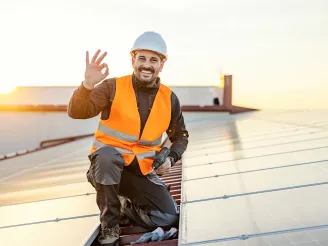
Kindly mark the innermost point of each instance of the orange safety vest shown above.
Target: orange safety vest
(122, 129)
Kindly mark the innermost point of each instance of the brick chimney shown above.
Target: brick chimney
(227, 91)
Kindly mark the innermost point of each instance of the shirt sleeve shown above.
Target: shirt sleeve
(177, 132)
(86, 103)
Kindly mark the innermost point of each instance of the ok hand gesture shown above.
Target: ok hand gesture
(93, 71)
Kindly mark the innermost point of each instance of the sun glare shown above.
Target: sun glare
(6, 89)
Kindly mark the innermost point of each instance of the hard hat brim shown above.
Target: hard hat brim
(135, 51)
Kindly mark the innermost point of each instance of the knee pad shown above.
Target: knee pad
(106, 166)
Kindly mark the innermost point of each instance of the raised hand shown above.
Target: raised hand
(93, 71)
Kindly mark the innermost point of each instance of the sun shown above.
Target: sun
(6, 89)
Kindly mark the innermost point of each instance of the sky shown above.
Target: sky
(276, 50)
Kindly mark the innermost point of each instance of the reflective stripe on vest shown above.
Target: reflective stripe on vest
(141, 156)
(126, 137)
(149, 154)
(122, 129)
(158, 141)
(99, 144)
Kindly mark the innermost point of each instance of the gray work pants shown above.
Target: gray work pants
(152, 204)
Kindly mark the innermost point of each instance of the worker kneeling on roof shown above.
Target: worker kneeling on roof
(136, 110)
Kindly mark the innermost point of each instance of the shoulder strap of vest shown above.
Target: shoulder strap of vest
(112, 92)
(112, 88)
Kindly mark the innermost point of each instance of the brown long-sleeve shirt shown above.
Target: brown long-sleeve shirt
(86, 104)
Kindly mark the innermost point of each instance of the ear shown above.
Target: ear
(162, 65)
(133, 60)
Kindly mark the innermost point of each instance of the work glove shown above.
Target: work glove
(172, 233)
(153, 236)
(165, 167)
(157, 235)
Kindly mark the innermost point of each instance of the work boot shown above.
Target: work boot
(109, 236)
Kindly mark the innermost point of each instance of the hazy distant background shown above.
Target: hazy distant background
(277, 50)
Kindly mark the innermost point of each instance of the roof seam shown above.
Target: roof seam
(50, 199)
(253, 157)
(247, 236)
(293, 124)
(258, 147)
(255, 192)
(257, 170)
(259, 140)
(227, 137)
(49, 221)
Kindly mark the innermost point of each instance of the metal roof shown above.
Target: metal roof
(44, 197)
(252, 179)
(259, 179)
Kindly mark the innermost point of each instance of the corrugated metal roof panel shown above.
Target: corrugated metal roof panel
(39, 212)
(256, 179)
(13, 196)
(275, 212)
(45, 194)
(317, 237)
(67, 232)
(45, 198)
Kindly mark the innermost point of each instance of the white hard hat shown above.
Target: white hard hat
(150, 41)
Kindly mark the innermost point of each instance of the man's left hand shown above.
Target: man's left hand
(165, 167)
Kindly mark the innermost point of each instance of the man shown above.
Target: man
(135, 111)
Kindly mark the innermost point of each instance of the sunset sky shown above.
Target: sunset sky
(276, 50)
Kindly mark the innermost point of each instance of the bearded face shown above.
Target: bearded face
(147, 65)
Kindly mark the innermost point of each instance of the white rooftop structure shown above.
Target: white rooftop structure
(60, 95)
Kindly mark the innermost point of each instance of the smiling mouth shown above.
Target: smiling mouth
(146, 72)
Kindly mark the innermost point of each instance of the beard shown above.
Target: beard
(145, 77)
